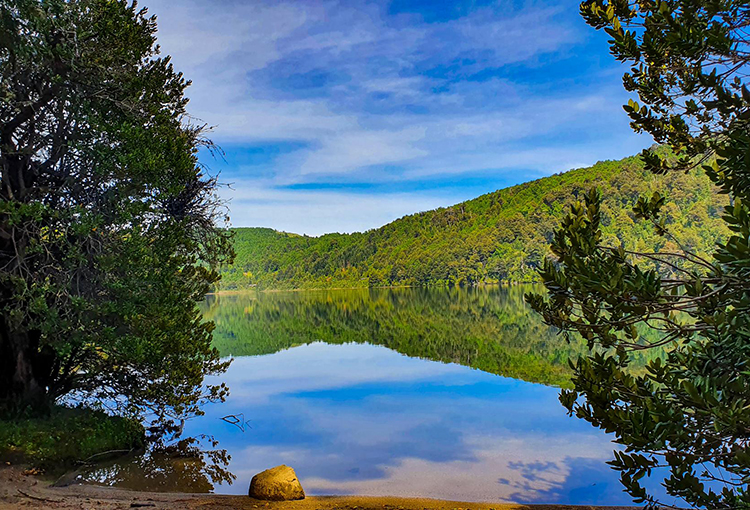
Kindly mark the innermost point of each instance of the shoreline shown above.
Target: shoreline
(28, 491)
(234, 292)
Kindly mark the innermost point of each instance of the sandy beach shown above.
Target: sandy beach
(21, 489)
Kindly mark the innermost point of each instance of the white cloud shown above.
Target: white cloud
(318, 212)
(320, 366)
(392, 92)
(477, 479)
(382, 414)
(203, 37)
(261, 121)
(347, 152)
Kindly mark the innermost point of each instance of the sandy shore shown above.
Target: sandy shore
(20, 490)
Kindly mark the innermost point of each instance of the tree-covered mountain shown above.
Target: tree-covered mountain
(497, 237)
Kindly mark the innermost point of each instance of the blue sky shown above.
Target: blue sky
(343, 116)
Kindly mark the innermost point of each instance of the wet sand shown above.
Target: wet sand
(19, 490)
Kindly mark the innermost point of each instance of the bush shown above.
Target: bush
(66, 437)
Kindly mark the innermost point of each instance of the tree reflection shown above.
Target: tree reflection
(182, 467)
(487, 328)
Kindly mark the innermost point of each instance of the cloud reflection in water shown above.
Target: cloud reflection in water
(363, 419)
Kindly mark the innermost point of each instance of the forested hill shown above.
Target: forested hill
(497, 237)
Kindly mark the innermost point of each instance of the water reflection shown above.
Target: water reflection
(363, 419)
(487, 328)
(333, 396)
(189, 465)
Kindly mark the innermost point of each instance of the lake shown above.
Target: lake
(442, 393)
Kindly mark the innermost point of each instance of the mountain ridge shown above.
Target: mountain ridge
(497, 237)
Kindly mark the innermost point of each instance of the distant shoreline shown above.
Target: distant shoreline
(230, 292)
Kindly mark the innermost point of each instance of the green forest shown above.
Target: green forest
(500, 237)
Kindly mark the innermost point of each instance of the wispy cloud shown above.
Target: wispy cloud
(361, 419)
(315, 212)
(376, 91)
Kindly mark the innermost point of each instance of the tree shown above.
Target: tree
(108, 225)
(687, 418)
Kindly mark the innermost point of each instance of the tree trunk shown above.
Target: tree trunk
(20, 366)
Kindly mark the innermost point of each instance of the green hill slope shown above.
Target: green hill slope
(497, 237)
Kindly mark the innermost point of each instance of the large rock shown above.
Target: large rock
(276, 484)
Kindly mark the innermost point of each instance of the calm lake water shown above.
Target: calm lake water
(442, 393)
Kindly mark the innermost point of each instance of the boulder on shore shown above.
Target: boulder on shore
(276, 484)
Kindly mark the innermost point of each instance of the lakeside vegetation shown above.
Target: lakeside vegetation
(685, 420)
(66, 437)
(498, 237)
(108, 223)
(108, 227)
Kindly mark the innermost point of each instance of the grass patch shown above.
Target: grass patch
(66, 437)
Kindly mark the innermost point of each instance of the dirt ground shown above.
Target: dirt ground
(21, 490)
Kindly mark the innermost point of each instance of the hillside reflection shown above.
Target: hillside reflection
(490, 329)
(487, 328)
(377, 392)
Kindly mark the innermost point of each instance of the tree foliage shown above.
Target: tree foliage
(688, 418)
(108, 231)
(499, 237)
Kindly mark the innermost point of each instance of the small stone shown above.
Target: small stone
(276, 484)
